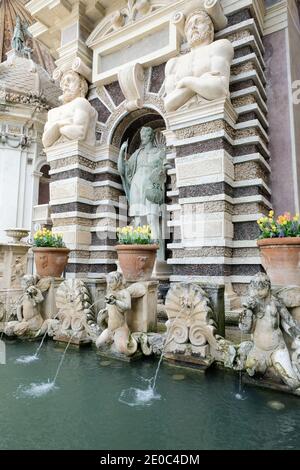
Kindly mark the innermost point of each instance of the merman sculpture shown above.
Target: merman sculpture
(267, 318)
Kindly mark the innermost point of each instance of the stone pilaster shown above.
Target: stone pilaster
(86, 208)
(202, 204)
(220, 179)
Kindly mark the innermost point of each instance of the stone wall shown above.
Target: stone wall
(220, 173)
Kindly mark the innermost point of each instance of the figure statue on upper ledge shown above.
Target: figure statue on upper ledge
(203, 73)
(267, 318)
(143, 177)
(76, 118)
(18, 40)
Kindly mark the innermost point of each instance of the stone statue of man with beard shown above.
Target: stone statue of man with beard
(202, 74)
(76, 118)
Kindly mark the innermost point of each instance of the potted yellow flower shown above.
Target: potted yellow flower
(279, 246)
(50, 253)
(136, 252)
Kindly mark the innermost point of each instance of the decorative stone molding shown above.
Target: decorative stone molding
(131, 80)
(276, 17)
(151, 39)
(134, 10)
(210, 111)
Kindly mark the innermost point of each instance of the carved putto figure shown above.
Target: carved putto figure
(113, 317)
(267, 318)
(202, 74)
(143, 176)
(30, 320)
(76, 118)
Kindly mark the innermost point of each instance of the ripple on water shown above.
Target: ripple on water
(276, 405)
(178, 377)
(35, 390)
(26, 359)
(138, 397)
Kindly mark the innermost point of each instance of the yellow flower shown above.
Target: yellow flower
(271, 214)
(296, 218)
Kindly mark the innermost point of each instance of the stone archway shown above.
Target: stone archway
(130, 125)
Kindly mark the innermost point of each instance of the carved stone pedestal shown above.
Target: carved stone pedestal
(49, 308)
(108, 354)
(13, 264)
(191, 362)
(143, 315)
(74, 341)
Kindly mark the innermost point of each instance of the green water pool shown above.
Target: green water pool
(190, 410)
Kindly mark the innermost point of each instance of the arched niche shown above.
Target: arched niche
(128, 128)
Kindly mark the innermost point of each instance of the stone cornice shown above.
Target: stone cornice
(276, 17)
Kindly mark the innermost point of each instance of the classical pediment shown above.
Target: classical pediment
(133, 12)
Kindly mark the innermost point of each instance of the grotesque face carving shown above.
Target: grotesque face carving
(199, 29)
(73, 86)
(147, 135)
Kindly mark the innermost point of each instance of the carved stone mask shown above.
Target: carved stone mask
(199, 29)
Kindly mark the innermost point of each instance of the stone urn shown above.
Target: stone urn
(17, 234)
(50, 262)
(281, 260)
(137, 261)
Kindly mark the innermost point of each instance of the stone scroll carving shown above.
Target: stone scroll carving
(131, 80)
(274, 350)
(202, 74)
(76, 118)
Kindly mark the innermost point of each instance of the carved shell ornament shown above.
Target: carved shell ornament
(188, 302)
(190, 317)
(75, 305)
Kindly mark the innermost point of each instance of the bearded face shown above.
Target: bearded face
(71, 86)
(199, 29)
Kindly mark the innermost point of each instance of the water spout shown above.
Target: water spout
(38, 390)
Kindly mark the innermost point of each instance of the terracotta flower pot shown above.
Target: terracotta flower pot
(50, 262)
(137, 261)
(281, 259)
